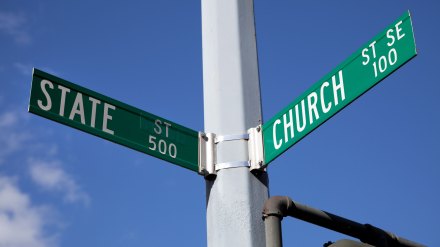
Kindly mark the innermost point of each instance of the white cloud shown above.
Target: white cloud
(45, 171)
(50, 176)
(10, 139)
(21, 223)
(13, 24)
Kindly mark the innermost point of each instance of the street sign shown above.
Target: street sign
(99, 115)
(384, 54)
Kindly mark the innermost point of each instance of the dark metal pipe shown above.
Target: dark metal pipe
(281, 206)
(273, 231)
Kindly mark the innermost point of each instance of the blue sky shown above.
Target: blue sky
(377, 161)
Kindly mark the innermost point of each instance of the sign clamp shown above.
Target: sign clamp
(231, 164)
(225, 138)
(207, 155)
(256, 148)
(208, 165)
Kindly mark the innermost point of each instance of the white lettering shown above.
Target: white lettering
(339, 87)
(107, 117)
(398, 29)
(382, 64)
(329, 105)
(372, 45)
(64, 90)
(364, 51)
(276, 144)
(375, 69)
(390, 37)
(93, 114)
(172, 150)
(78, 108)
(288, 125)
(298, 124)
(152, 141)
(392, 61)
(312, 106)
(158, 129)
(166, 128)
(162, 147)
(48, 105)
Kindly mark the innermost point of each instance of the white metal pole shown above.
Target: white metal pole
(232, 105)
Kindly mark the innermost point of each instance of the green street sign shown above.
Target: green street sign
(384, 54)
(99, 115)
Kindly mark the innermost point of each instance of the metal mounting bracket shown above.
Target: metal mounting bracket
(226, 138)
(208, 166)
(207, 154)
(232, 164)
(256, 148)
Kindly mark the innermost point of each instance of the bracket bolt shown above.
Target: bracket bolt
(204, 137)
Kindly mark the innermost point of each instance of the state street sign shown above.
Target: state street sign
(384, 54)
(94, 113)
